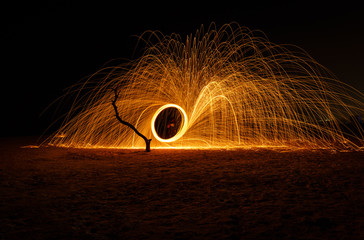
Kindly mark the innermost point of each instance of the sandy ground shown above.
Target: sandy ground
(55, 193)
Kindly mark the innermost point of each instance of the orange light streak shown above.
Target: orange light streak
(233, 87)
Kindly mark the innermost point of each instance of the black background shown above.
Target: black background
(50, 45)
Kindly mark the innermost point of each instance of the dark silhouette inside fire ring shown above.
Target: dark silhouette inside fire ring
(168, 123)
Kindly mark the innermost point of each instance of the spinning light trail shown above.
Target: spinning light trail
(228, 86)
(180, 131)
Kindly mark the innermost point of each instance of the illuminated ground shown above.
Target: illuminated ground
(55, 193)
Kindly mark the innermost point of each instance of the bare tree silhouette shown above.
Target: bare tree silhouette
(113, 102)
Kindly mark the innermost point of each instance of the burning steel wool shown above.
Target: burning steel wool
(222, 87)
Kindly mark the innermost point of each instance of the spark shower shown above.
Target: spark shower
(221, 87)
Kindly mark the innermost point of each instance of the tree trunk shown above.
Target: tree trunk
(147, 141)
(147, 145)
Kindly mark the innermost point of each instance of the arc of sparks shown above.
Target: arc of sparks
(233, 88)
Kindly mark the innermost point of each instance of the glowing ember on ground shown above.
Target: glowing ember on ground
(232, 87)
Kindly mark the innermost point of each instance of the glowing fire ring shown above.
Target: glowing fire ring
(181, 130)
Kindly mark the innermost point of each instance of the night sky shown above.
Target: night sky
(50, 45)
